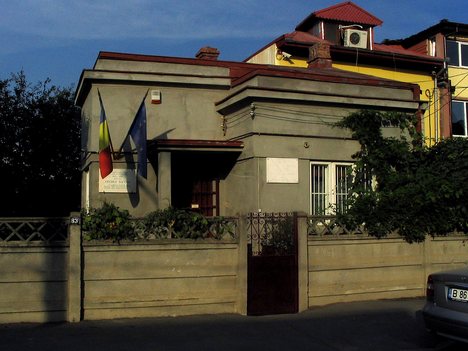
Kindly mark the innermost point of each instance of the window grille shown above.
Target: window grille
(319, 194)
(329, 187)
(343, 183)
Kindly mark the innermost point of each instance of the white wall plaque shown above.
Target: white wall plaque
(119, 181)
(282, 170)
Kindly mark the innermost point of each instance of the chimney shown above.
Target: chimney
(319, 56)
(207, 53)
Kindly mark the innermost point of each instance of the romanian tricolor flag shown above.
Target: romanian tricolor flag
(105, 144)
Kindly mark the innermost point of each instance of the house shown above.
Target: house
(448, 41)
(225, 138)
(349, 30)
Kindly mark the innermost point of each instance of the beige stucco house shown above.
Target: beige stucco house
(225, 138)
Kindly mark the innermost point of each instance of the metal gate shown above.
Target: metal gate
(272, 273)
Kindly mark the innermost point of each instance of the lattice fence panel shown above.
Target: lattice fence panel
(329, 226)
(33, 229)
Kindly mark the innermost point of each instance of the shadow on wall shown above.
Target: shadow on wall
(55, 269)
(33, 270)
(55, 282)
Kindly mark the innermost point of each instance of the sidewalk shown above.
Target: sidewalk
(376, 325)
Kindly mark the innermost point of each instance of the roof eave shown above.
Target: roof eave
(390, 54)
(444, 27)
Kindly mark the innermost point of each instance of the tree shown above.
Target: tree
(419, 191)
(39, 148)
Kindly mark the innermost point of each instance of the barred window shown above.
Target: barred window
(329, 187)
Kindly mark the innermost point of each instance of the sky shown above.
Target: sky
(57, 39)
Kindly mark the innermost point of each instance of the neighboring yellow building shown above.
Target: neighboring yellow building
(348, 31)
(449, 41)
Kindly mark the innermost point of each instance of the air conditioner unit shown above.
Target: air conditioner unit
(355, 38)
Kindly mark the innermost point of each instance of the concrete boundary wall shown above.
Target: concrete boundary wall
(102, 280)
(98, 280)
(357, 269)
(159, 279)
(33, 283)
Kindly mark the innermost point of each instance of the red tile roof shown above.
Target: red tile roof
(346, 12)
(349, 12)
(303, 37)
(399, 49)
(297, 37)
(308, 39)
(240, 72)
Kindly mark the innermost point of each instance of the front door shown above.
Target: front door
(205, 196)
(194, 184)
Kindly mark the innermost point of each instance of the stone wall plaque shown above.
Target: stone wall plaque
(119, 181)
(282, 170)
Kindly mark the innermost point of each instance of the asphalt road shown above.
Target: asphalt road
(377, 325)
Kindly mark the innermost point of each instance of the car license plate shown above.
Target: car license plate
(458, 295)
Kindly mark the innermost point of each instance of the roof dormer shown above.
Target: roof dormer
(342, 24)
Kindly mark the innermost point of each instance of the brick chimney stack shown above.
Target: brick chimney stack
(207, 53)
(319, 56)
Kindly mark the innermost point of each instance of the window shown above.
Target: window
(459, 118)
(329, 187)
(432, 46)
(332, 32)
(457, 53)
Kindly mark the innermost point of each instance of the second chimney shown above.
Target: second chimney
(319, 56)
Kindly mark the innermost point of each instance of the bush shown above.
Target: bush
(108, 223)
(175, 223)
(111, 223)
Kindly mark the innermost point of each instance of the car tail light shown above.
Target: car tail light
(430, 289)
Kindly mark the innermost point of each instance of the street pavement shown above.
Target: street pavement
(377, 325)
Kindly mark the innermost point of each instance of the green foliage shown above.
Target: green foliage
(419, 191)
(39, 148)
(221, 228)
(182, 224)
(280, 239)
(175, 223)
(111, 223)
(108, 223)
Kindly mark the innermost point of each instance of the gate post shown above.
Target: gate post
(302, 262)
(242, 266)
(74, 268)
